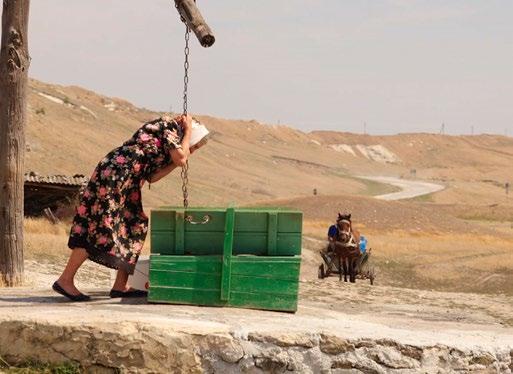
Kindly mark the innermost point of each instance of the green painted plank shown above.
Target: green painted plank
(216, 221)
(179, 231)
(237, 209)
(203, 281)
(227, 254)
(238, 283)
(255, 284)
(162, 219)
(267, 267)
(200, 243)
(247, 220)
(285, 303)
(212, 298)
(197, 281)
(250, 222)
(162, 243)
(288, 268)
(252, 229)
(288, 244)
(272, 233)
(291, 222)
(201, 264)
(185, 296)
(156, 259)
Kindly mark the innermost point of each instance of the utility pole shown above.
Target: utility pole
(14, 64)
(442, 129)
(365, 128)
(472, 130)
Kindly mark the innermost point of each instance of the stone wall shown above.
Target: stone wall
(133, 347)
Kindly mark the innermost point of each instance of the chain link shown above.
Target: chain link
(185, 182)
(186, 69)
(185, 169)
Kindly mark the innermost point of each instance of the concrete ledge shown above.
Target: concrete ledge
(107, 335)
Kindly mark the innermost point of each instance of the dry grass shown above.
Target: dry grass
(44, 238)
(445, 261)
(413, 259)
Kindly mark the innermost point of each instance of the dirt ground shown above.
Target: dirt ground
(387, 306)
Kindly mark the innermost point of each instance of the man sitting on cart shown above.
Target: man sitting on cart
(334, 230)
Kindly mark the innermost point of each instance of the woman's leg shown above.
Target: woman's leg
(121, 280)
(66, 280)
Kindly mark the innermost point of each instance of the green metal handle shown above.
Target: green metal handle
(206, 219)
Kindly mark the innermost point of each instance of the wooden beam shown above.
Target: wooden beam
(193, 18)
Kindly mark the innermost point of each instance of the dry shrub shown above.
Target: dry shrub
(44, 226)
(44, 238)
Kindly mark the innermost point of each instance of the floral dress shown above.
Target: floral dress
(110, 223)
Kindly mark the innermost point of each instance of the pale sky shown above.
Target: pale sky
(398, 65)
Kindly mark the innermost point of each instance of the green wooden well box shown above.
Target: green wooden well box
(246, 258)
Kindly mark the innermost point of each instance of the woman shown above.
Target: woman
(110, 226)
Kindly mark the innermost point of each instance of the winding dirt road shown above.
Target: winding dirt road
(409, 188)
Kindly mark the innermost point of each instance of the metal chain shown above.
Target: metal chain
(185, 169)
(185, 182)
(186, 69)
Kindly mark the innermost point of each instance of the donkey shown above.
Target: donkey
(347, 247)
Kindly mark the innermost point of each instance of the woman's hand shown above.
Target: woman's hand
(185, 122)
(180, 155)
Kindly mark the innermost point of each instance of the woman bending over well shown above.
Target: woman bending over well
(110, 226)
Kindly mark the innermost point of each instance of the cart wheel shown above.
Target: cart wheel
(320, 273)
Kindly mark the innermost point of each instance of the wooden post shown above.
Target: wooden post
(14, 64)
(193, 18)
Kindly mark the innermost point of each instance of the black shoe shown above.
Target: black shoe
(132, 293)
(80, 297)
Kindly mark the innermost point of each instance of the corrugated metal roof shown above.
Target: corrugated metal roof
(75, 180)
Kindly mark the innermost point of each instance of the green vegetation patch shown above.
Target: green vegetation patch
(33, 367)
(427, 198)
(373, 188)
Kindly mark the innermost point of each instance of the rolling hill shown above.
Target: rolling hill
(70, 129)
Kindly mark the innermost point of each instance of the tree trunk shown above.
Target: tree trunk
(14, 63)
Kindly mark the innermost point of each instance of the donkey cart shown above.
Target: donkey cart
(332, 264)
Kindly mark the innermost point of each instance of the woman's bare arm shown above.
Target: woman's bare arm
(180, 155)
(161, 173)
